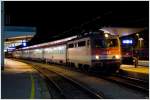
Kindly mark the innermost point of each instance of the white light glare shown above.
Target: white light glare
(117, 56)
(97, 57)
(106, 35)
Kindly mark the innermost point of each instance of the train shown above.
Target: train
(98, 51)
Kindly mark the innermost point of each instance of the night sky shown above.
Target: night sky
(59, 19)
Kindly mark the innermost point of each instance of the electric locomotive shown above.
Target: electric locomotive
(98, 51)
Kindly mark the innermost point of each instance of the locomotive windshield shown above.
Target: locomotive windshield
(106, 43)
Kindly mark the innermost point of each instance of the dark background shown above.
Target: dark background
(60, 19)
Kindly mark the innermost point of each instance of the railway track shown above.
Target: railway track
(143, 83)
(136, 84)
(129, 82)
(65, 87)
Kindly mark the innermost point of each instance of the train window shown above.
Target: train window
(70, 46)
(82, 43)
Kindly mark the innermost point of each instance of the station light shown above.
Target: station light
(5, 50)
(137, 34)
(141, 39)
(23, 40)
(10, 48)
(24, 44)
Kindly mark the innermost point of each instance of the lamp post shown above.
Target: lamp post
(138, 41)
(141, 40)
(136, 58)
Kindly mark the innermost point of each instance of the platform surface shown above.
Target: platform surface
(139, 72)
(138, 69)
(21, 81)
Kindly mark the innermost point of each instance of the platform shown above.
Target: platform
(143, 63)
(21, 81)
(140, 72)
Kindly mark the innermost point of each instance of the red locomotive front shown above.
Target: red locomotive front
(106, 54)
(98, 52)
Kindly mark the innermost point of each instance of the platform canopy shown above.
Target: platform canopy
(16, 35)
(121, 31)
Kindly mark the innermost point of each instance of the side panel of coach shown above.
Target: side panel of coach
(25, 54)
(17, 54)
(55, 54)
(36, 54)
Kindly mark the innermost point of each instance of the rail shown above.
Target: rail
(136, 84)
(87, 93)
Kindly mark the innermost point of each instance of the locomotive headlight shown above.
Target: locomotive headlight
(106, 35)
(97, 57)
(117, 56)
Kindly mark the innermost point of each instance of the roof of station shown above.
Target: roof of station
(17, 31)
(121, 31)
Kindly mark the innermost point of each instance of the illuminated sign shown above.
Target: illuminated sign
(127, 41)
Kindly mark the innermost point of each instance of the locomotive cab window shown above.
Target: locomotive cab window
(106, 43)
(112, 42)
(82, 43)
(99, 43)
